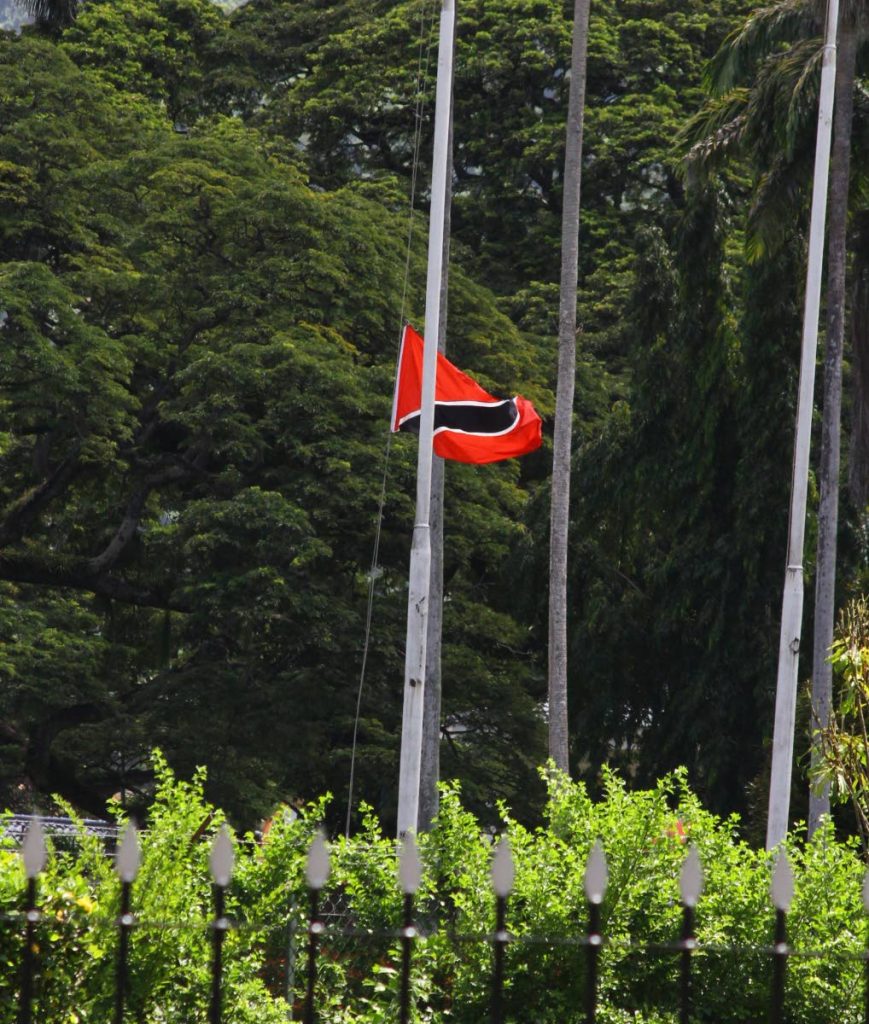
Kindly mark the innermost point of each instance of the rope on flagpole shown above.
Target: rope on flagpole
(422, 73)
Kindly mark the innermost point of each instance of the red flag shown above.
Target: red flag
(470, 425)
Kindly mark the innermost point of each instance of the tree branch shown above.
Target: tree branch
(104, 561)
(28, 508)
(22, 567)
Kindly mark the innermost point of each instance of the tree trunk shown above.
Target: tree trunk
(560, 505)
(828, 509)
(858, 461)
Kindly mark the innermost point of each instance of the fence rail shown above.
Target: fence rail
(414, 929)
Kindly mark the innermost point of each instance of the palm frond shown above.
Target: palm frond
(765, 31)
(778, 198)
(860, 147)
(805, 95)
(783, 101)
(713, 135)
(55, 13)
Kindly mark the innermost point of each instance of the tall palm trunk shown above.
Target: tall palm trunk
(828, 510)
(560, 505)
(858, 459)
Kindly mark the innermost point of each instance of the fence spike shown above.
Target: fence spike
(409, 865)
(503, 869)
(866, 891)
(781, 888)
(129, 855)
(317, 867)
(33, 851)
(691, 878)
(596, 874)
(222, 859)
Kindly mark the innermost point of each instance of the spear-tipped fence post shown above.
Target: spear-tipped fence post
(503, 875)
(782, 893)
(690, 887)
(221, 862)
(595, 888)
(33, 856)
(316, 872)
(866, 953)
(127, 861)
(409, 876)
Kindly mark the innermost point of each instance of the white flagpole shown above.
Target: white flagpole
(420, 552)
(792, 600)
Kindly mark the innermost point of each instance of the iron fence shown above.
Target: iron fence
(328, 926)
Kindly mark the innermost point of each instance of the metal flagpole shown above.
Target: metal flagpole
(420, 552)
(792, 600)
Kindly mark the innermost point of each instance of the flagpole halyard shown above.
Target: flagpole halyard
(420, 554)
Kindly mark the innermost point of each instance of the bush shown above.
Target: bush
(646, 836)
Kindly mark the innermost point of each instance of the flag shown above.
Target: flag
(470, 425)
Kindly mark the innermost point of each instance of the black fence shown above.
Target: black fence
(329, 924)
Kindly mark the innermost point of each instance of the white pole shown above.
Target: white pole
(420, 552)
(792, 600)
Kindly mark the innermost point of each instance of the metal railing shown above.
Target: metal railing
(320, 936)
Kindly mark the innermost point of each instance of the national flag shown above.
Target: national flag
(470, 425)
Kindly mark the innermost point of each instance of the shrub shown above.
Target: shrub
(646, 836)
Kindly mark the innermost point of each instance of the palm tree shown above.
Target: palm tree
(828, 509)
(560, 503)
(765, 80)
(52, 14)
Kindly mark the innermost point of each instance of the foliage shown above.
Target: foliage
(645, 834)
(159, 49)
(196, 374)
(53, 15)
(844, 743)
(203, 218)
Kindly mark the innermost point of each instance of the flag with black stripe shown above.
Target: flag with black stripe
(470, 425)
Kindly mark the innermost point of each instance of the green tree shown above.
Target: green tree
(160, 49)
(762, 77)
(195, 384)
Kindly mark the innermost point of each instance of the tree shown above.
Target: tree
(844, 737)
(160, 49)
(53, 15)
(828, 509)
(775, 51)
(195, 379)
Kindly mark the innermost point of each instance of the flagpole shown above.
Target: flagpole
(420, 552)
(792, 599)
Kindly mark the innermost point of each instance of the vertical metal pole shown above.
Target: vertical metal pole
(31, 918)
(408, 933)
(688, 944)
(125, 924)
(420, 553)
(500, 941)
(792, 598)
(315, 929)
(592, 952)
(779, 965)
(219, 934)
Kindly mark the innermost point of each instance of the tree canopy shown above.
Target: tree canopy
(204, 212)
